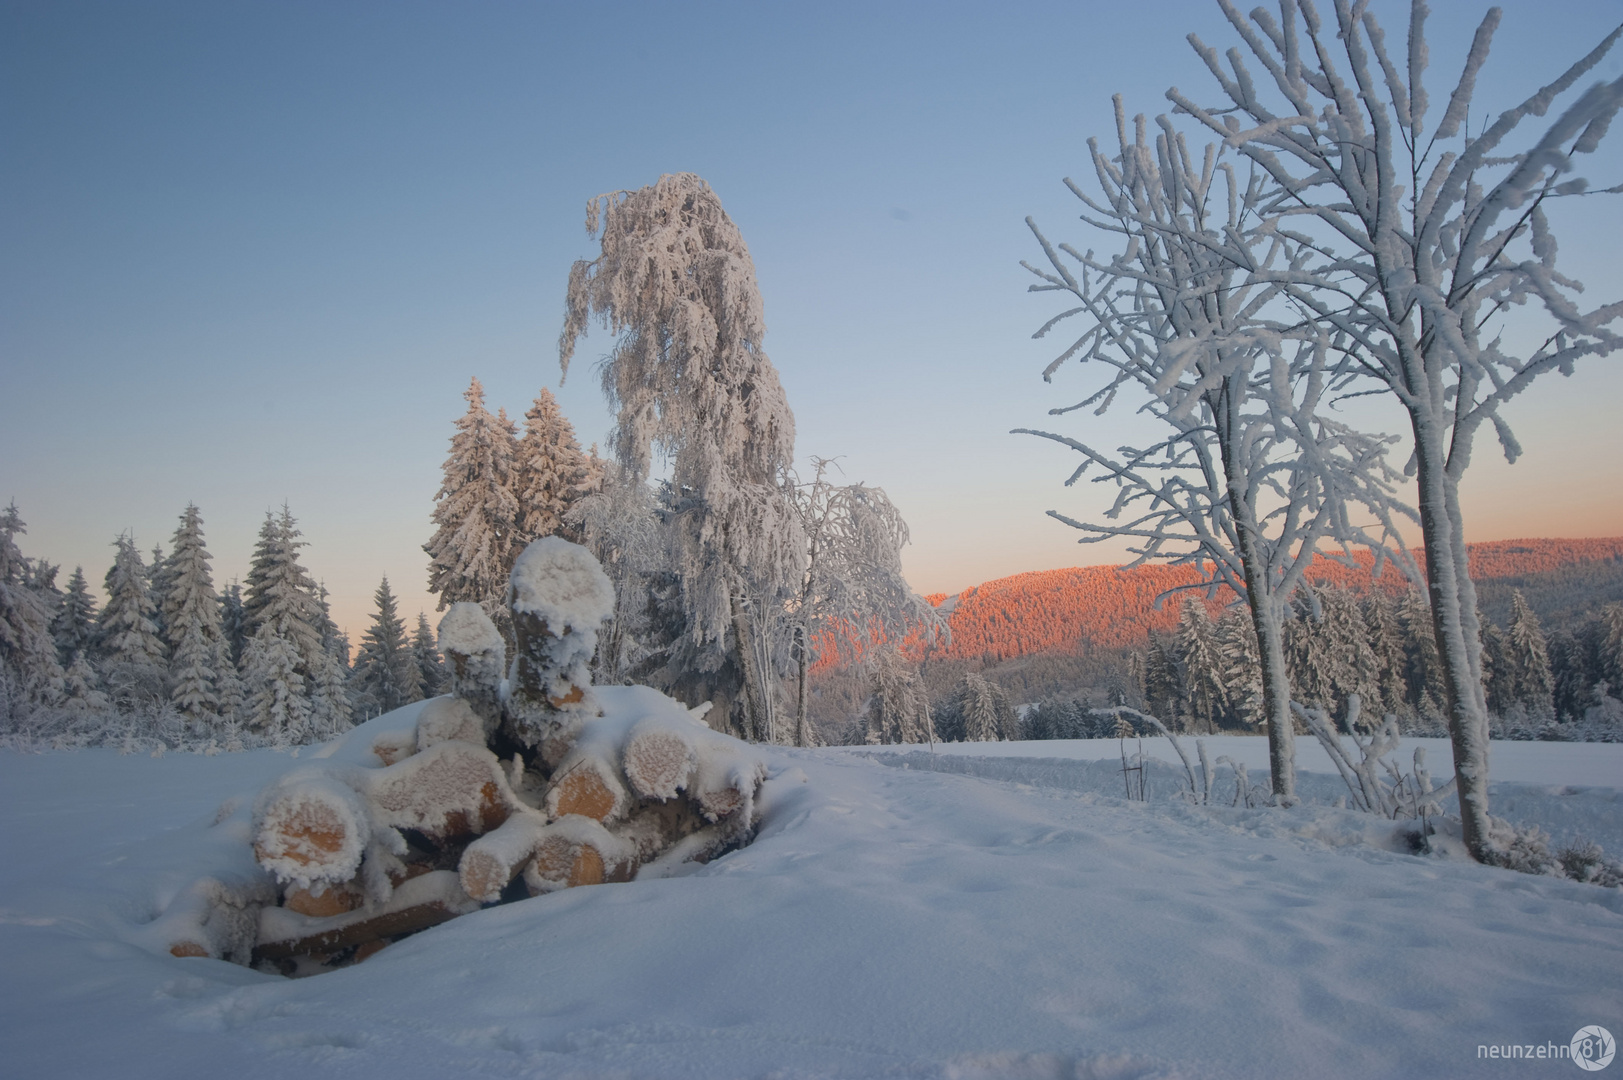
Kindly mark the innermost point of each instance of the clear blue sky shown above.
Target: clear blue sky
(253, 252)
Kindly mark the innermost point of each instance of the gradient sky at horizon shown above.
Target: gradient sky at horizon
(252, 253)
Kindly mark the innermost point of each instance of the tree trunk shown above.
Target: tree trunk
(802, 730)
(754, 710)
(1454, 623)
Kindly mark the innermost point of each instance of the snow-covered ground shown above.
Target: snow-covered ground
(1011, 917)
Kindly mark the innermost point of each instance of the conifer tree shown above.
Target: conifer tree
(1241, 666)
(82, 694)
(476, 514)
(133, 661)
(1163, 682)
(430, 665)
(294, 682)
(550, 473)
(985, 710)
(158, 588)
(1424, 672)
(899, 710)
(1196, 642)
(74, 626)
(386, 674)
(1527, 659)
(1385, 632)
(27, 649)
(191, 621)
(233, 623)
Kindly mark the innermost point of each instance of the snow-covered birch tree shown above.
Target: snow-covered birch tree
(1415, 242)
(1248, 480)
(690, 381)
(851, 588)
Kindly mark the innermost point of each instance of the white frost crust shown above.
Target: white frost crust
(660, 757)
(436, 887)
(449, 718)
(493, 860)
(466, 629)
(419, 792)
(319, 795)
(563, 584)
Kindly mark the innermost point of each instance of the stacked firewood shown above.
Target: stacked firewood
(505, 789)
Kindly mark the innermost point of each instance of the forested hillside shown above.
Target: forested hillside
(1106, 607)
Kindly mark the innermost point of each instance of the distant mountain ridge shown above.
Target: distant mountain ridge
(1082, 609)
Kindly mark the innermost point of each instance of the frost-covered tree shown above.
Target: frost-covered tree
(1525, 676)
(1327, 646)
(550, 473)
(1422, 672)
(386, 675)
(28, 653)
(1384, 631)
(899, 708)
(621, 523)
(1416, 242)
(74, 626)
(689, 379)
(294, 684)
(132, 654)
(1204, 685)
(430, 666)
(1247, 479)
(983, 710)
(233, 623)
(851, 589)
(1241, 666)
(1162, 681)
(191, 621)
(476, 514)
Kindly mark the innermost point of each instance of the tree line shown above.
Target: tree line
(166, 656)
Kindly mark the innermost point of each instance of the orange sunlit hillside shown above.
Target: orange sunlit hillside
(1105, 607)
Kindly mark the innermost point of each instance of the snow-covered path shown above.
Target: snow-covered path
(889, 921)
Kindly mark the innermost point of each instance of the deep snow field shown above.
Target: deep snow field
(984, 911)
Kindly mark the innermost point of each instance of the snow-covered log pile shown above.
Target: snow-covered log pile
(505, 789)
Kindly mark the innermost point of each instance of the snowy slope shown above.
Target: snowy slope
(891, 920)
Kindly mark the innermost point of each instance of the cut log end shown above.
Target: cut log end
(583, 792)
(658, 764)
(188, 948)
(310, 835)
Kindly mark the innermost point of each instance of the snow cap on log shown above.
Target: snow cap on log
(446, 719)
(477, 656)
(559, 596)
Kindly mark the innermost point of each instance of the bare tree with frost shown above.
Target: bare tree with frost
(620, 524)
(852, 588)
(476, 514)
(689, 379)
(1249, 480)
(1412, 245)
